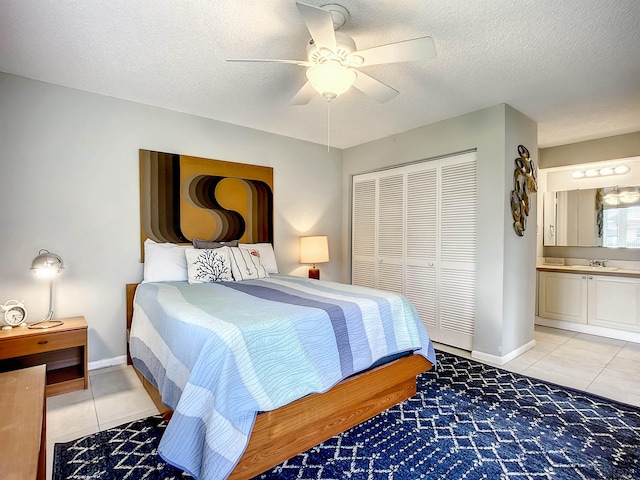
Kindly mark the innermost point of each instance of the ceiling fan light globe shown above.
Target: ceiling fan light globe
(331, 79)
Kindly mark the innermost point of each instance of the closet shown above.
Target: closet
(414, 232)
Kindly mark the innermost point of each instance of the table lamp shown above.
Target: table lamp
(47, 265)
(314, 250)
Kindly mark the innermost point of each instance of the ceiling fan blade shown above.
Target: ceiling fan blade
(320, 25)
(304, 95)
(267, 60)
(408, 50)
(374, 88)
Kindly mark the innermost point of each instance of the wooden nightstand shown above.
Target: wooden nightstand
(63, 349)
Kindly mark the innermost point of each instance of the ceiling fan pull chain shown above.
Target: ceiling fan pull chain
(328, 123)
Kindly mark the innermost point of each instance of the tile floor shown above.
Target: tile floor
(603, 366)
(599, 365)
(115, 396)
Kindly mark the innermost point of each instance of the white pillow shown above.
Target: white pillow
(208, 265)
(267, 256)
(164, 262)
(246, 264)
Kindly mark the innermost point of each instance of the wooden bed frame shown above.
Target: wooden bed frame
(283, 433)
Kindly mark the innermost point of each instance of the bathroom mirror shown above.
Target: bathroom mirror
(596, 217)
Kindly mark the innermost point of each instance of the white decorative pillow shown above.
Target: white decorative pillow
(245, 264)
(209, 265)
(164, 262)
(267, 256)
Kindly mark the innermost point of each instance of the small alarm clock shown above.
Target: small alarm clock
(13, 314)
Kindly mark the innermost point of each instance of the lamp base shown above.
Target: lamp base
(46, 324)
(314, 273)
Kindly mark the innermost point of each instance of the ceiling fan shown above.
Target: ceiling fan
(333, 59)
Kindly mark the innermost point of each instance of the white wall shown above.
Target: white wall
(69, 176)
(70, 183)
(519, 252)
(608, 148)
(485, 131)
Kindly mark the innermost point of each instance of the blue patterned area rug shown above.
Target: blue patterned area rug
(467, 421)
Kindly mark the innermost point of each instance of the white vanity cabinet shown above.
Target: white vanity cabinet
(563, 296)
(598, 300)
(614, 302)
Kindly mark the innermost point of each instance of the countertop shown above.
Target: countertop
(618, 272)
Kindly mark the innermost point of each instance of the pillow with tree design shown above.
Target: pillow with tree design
(209, 265)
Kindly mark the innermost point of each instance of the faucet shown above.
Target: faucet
(596, 263)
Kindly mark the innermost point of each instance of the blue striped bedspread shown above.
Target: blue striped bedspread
(221, 352)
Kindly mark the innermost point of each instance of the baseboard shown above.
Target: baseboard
(107, 362)
(590, 329)
(496, 360)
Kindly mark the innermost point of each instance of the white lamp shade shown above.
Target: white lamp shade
(314, 249)
(331, 79)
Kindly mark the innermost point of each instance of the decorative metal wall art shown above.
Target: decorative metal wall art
(599, 212)
(524, 184)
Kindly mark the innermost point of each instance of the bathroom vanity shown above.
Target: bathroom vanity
(600, 300)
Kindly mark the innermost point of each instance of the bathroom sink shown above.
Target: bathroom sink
(595, 269)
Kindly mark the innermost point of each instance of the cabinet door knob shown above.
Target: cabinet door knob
(43, 342)
(583, 277)
(590, 277)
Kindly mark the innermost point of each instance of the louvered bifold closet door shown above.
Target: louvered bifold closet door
(391, 193)
(363, 264)
(421, 267)
(458, 239)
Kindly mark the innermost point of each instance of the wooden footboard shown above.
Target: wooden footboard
(282, 433)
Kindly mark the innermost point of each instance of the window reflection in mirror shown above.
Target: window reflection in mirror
(621, 219)
(597, 217)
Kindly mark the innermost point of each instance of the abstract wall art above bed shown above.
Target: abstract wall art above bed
(182, 198)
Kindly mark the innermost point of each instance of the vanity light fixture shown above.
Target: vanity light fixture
(602, 172)
(624, 196)
(629, 195)
(612, 199)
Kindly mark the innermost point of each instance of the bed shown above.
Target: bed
(305, 360)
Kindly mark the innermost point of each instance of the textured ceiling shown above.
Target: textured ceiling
(572, 66)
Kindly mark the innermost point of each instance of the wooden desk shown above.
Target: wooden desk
(22, 424)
